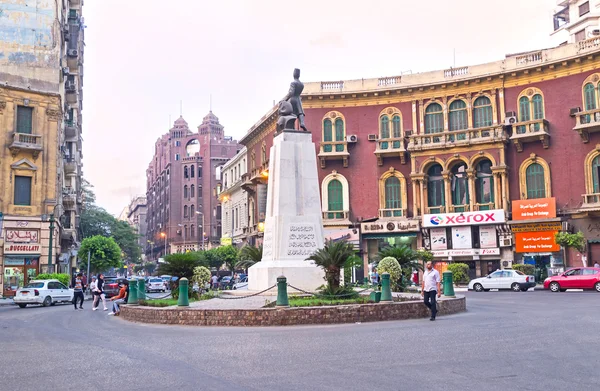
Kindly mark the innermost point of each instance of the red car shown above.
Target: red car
(576, 278)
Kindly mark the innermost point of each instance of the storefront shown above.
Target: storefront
(534, 225)
(352, 236)
(21, 259)
(377, 235)
(473, 238)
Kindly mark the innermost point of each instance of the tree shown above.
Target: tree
(229, 256)
(460, 272)
(201, 276)
(104, 253)
(406, 257)
(249, 256)
(211, 257)
(181, 265)
(332, 258)
(568, 240)
(424, 255)
(392, 267)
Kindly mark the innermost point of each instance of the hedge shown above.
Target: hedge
(460, 272)
(527, 269)
(64, 278)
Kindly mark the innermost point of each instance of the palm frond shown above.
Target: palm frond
(249, 256)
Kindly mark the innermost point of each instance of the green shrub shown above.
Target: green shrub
(527, 269)
(460, 272)
(346, 292)
(390, 265)
(201, 276)
(64, 278)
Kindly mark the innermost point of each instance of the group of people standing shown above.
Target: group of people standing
(96, 288)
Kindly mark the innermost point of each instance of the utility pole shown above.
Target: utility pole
(50, 247)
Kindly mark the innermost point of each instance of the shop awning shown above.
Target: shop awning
(390, 235)
(594, 241)
(533, 221)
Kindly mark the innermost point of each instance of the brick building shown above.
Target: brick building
(440, 159)
(183, 180)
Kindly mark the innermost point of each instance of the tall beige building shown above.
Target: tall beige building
(41, 79)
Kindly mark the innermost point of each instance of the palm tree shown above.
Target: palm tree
(249, 256)
(406, 257)
(332, 258)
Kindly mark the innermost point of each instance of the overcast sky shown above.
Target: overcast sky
(143, 57)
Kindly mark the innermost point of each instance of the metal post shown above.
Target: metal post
(50, 248)
(88, 268)
(141, 285)
(183, 300)
(133, 292)
(282, 296)
(386, 292)
(448, 284)
(202, 231)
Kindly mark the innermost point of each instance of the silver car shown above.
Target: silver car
(503, 279)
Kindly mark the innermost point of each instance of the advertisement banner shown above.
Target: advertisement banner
(537, 227)
(466, 252)
(13, 248)
(487, 236)
(536, 242)
(438, 239)
(461, 237)
(466, 218)
(540, 208)
(22, 236)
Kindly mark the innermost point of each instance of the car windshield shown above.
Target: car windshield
(110, 280)
(156, 280)
(519, 272)
(35, 285)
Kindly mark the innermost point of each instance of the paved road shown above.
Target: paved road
(529, 341)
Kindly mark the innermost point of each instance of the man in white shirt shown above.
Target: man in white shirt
(430, 288)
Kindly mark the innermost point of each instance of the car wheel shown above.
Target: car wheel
(486, 290)
(524, 289)
(47, 301)
(22, 305)
(478, 287)
(515, 287)
(52, 304)
(555, 287)
(597, 286)
(234, 288)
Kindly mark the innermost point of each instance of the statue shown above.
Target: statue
(293, 97)
(287, 119)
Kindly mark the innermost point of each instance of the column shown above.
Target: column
(415, 198)
(504, 191)
(448, 197)
(422, 196)
(472, 195)
(497, 191)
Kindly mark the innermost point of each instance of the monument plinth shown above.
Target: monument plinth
(293, 221)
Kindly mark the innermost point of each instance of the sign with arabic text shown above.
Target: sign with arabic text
(22, 236)
(536, 242)
(382, 226)
(537, 227)
(539, 208)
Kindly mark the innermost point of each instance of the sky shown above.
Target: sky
(148, 61)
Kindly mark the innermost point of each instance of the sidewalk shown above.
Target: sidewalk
(4, 302)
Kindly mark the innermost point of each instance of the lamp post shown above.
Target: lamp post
(202, 226)
(151, 249)
(50, 248)
(164, 235)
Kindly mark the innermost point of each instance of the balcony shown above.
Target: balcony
(341, 217)
(530, 131)
(587, 122)
(333, 150)
(71, 130)
(71, 92)
(400, 212)
(487, 206)
(459, 208)
(390, 147)
(443, 140)
(26, 142)
(70, 165)
(435, 209)
(69, 198)
(68, 234)
(591, 202)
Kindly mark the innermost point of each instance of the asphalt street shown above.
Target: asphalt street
(506, 340)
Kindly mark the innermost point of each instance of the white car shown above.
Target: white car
(241, 284)
(44, 292)
(503, 279)
(155, 284)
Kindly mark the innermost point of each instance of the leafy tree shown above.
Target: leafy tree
(211, 257)
(201, 276)
(406, 257)
(104, 253)
(332, 258)
(228, 255)
(390, 265)
(249, 256)
(568, 240)
(181, 265)
(424, 255)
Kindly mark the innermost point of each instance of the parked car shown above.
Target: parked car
(111, 285)
(44, 292)
(241, 284)
(576, 278)
(226, 282)
(503, 279)
(155, 285)
(166, 280)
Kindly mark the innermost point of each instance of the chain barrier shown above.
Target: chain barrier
(329, 296)
(244, 297)
(146, 297)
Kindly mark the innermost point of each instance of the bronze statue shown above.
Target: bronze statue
(287, 119)
(293, 96)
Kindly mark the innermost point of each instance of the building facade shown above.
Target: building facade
(451, 160)
(234, 199)
(576, 20)
(41, 72)
(136, 217)
(183, 181)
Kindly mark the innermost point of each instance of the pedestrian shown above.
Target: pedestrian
(215, 282)
(596, 265)
(121, 298)
(431, 288)
(374, 277)
(78, 291)
(100, 295)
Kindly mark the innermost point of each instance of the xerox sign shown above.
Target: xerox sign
(466, 218)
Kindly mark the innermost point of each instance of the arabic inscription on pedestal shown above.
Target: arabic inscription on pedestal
(301, 240)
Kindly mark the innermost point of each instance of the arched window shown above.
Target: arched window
(435, 189)
(458, 115)
(340, 134)
(434, 118)
(396, 127)
(482, 112)
(335, 199)
(384, 126)
(531, 108)
(185, 211)
(589, 94)
(192, 231)
(192, 211)
(185, 171)
(185, 233)
(595, 176)
(185, 191)
(524, 109)
(192, 195)
(192, 171)
(327, 134)
(460, 188)
(538, 107)
(393, 197)
(534, 178)
(484, 185)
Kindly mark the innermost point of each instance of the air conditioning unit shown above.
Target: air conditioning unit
(574, 111)
(72, 52)
(372, 137)
(70, 86)
(66, 34)
(408, 133)
(506, 241)
(509, 121)
(352, 138)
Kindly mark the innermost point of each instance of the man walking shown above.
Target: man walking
(78, 292)
(100, 295)
(430, 288)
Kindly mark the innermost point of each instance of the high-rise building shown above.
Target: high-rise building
(576, 21)
(183, 181)
(136, 217)
(41, 74)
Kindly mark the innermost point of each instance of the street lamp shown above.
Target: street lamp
(202, 226)
(50, 248)
(164, 235)
(151, 248)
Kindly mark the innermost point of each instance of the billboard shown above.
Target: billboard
(540, 208)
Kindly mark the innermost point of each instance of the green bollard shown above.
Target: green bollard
(366, 280)
(386, 291)
(448, 284)
(141, 289)
(183, 301)
(133, 293)
(282, 296)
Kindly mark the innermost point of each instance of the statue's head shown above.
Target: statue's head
(285, 108)
(296, 73)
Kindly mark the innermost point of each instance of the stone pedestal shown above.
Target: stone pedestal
(293, 221)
